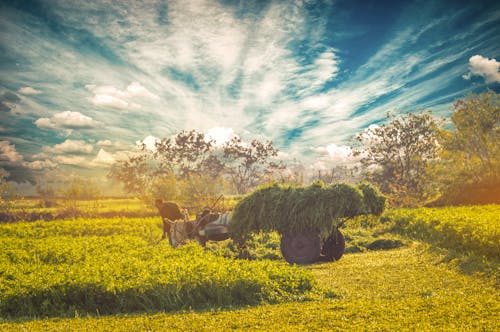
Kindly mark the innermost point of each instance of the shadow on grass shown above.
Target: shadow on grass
(468, 263)
(68, 301)
(96, 302)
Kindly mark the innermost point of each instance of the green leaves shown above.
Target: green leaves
(398, 154)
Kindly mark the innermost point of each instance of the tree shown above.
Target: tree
(175, 169)
(47, 194)
(7, 193)
(187, 153)
(77, 188)
(248, 165)
(471, 161)
(74, 189)
(398, 155)
(135, 173)
(196, 167)
(164, 186)
(338, 173)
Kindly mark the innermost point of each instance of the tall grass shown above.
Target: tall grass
(105, 266)
(469, 229)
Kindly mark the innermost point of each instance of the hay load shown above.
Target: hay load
(317, 208)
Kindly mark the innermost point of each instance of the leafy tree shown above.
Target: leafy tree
(76, 189)
(471, 161)
(200, 190)
(47, 194)
(195, 168)
(164, 186)
(191, 161)
(135, 173)
(397, 156)
(7, 193)
(249, 165)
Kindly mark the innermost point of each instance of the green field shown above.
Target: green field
(402, 272)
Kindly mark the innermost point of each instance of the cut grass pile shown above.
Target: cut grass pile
(294, 209)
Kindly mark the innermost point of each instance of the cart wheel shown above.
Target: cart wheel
(303, 248)
(334, 247)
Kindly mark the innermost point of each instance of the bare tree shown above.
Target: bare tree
(187, 153)
(248, 165)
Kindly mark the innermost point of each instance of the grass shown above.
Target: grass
(469, 229)
(386, 281)
(117, 266)
(403, 289)
(36, 209)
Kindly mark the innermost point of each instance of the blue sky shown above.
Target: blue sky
(82, 81)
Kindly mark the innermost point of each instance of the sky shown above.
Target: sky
(82, 81)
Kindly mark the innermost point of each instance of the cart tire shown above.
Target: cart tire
(334, 247)
(302, 248)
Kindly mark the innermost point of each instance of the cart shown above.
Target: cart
(298, 248)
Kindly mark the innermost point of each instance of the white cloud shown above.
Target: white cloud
(40, 164)
(70, 160)
(67, 120)
(106, 142)
(136, 89)
(9, 154)
(108, 95)
(220, 135)
(27, 90)
(333, 154)
(70, 147)
(108, 100)
(104, 158)
(45, 123)
(326, 66)
(149, 142)
(484, 67)
(338, 152)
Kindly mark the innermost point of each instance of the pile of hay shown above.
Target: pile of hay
(295, 209)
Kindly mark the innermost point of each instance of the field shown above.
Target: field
(423, 269)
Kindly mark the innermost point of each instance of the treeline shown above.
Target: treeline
(194, 170)
(418, 159)
(415, 159)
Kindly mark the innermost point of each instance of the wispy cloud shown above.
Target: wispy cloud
(28, 90)
(272, 70)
